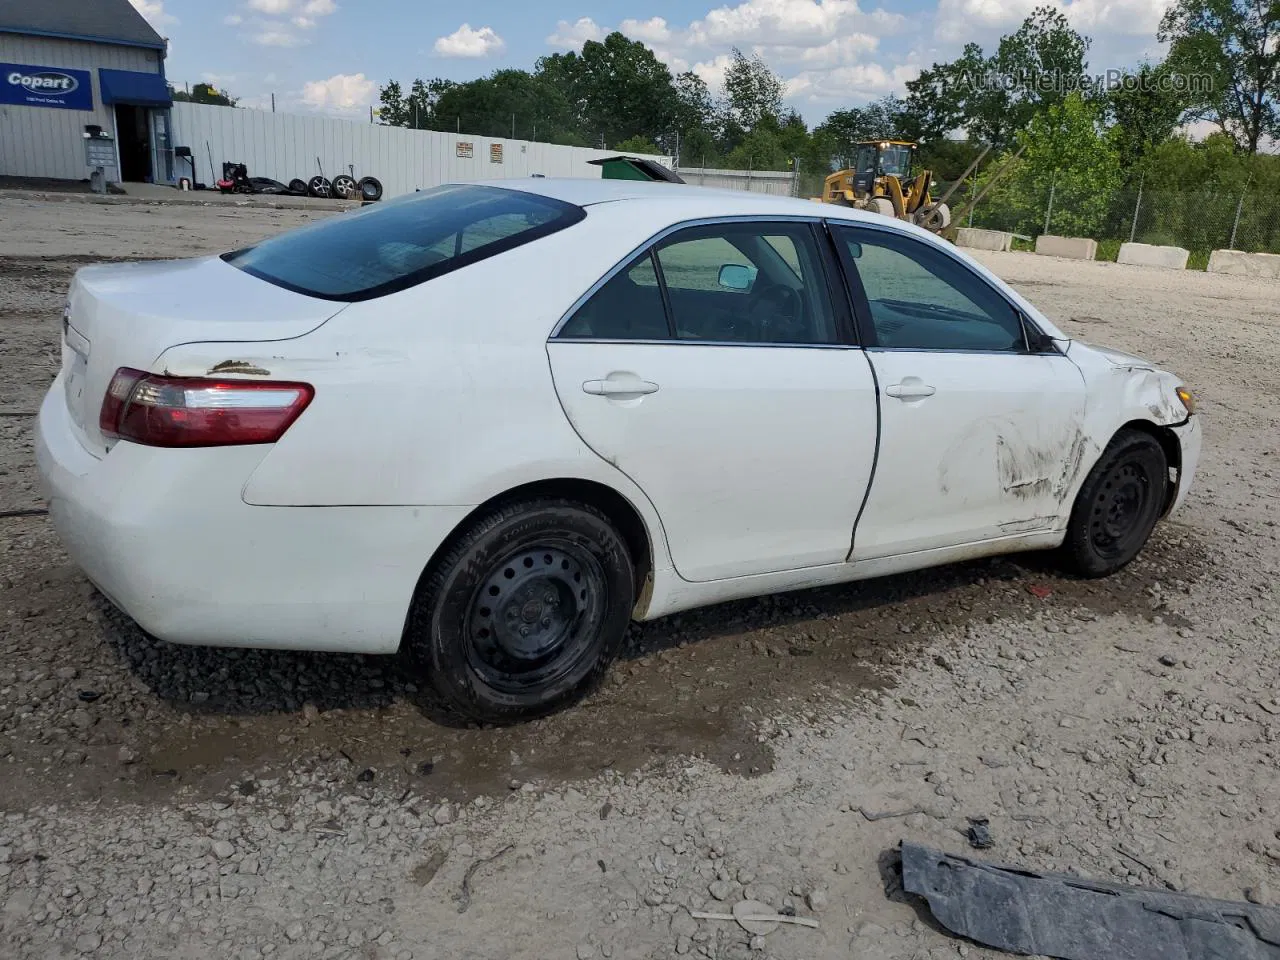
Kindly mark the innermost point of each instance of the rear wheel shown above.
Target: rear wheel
(525, 610)
(1118, 506)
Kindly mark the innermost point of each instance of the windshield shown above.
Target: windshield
(388, 247)
(895, 162)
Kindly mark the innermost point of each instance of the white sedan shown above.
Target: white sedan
(492, 424)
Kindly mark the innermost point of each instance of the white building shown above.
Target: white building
(70, 65)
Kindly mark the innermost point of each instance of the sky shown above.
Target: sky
(331, 56)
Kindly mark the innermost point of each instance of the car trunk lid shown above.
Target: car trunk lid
(127, 315)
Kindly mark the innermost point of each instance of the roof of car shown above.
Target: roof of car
(585, 192)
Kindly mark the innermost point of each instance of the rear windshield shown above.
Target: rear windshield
(391, 246)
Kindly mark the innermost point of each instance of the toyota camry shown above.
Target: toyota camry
(492, 424)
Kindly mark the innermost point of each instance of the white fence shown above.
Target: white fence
(286, 146)
(778, 183)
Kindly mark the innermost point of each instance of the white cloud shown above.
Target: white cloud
(233, 19)
(154, 13)
(957, 20)
(277, 35)
(304, 23)
(571, 36)
(272, 8)
(774, 22)
(653, 30)
(319, 8)
(341, 93)
(465, 42)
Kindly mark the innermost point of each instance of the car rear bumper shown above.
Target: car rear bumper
(167, 537)
(1189, 439)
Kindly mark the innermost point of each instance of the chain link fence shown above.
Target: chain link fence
(1197, 221)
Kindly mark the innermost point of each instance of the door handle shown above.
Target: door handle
(619, 387)
(911, 388)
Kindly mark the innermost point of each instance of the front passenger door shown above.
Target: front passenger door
(980, 435)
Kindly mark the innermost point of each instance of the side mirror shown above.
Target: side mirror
(1037, 340)
(736, 276)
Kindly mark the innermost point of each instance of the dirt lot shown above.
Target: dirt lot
(158, 801)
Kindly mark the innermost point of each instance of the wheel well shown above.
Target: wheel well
(608, 501)
(1172, 452)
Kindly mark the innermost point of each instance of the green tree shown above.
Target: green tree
(760, 149)
(1065, 157)
(695, 109)
(881, 119)
(634, 145)
(1228, 51)
(752, 90)
(623, 89)
(1143, 109)
(204, 93)
(993, 97)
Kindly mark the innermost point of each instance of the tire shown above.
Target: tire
(319, 187)
(524, 611)
(370, 189)
(880, 205)
(344, 187)
(297, 186)
(1118, 506)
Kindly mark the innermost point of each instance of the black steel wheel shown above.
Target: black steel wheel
(344, 187)
(524, 611)
(1118, 506)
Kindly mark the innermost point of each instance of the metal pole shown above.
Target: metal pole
(513, 126)
(1133, 229)
(795, 178)
(1048, 214)
(973, 189)
(1235, 225)
(273, 103)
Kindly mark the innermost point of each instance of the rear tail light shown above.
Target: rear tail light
(161, 411)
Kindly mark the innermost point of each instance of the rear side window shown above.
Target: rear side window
(388, 247)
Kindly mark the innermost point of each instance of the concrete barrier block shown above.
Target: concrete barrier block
(1074, 248)
(1245, 264)
(984, 239)
(1150, 255)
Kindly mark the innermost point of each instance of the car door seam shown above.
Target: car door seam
(875, 457)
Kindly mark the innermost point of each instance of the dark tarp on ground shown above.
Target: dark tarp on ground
(1057, 915)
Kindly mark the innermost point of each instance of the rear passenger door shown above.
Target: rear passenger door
(716, 370)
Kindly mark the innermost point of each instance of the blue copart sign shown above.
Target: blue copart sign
(31, 86)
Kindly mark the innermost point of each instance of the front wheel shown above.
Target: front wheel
(524, 611)
(1118, 506)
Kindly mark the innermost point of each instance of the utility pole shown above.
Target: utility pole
(273, 103)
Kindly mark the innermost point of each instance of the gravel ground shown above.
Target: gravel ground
(158, 801)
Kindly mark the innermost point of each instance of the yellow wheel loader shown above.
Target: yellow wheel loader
(881, 181)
